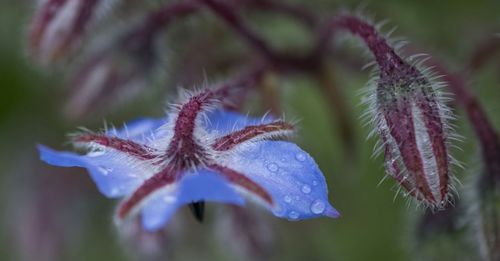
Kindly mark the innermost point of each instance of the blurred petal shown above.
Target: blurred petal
(114, 174)
(245, 233)
(224, 121)
(289, 174)
(138, 130)
(200, 186)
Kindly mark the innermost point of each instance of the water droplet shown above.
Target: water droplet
(283, 159)
(306, 189)
(293, 215)
(96, 153)
(105, 171)
(318, 206)
(300, 156)
(288, 199)
(272, 167)
(168, 199)
(284, 172)
(114, 191)
(315, 183)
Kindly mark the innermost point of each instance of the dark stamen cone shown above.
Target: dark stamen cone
(198, 210)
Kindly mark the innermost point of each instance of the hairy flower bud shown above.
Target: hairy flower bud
(59, 25)
(409, 114)
(409, 118)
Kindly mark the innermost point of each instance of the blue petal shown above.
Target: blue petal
(290, 176)
(200, 186)
(139, 129)
(113, 176)
(224, 121)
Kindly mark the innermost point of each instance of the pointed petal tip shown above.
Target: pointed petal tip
(331, 212)
(59, 158)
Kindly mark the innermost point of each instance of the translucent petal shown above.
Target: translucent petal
(200, 186)
(138, 130)
(115, 175)
(289, 175)
(225, 122)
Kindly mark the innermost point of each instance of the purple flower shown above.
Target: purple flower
(200, 153)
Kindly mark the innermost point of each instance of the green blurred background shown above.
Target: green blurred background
(48, 213)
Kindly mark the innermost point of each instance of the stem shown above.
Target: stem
(485, 132)
(484, 53)
(296, 11)
(338, 107)
(270, 95)
(387, 59)
(278, 60)
(156, 21)
(235, 22)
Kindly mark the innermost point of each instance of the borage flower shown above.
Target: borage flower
(200, 153)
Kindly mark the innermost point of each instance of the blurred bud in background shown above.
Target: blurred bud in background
(46, 215)
(140, 244)
(443, 235)
(58, 26)
(245, 234)
(119, 69)
(112, 74)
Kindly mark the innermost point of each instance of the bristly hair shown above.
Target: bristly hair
(372, 117)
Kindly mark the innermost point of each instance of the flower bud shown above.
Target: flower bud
(409, 117)
(109, 76)
(59, 25)
(121, 68)
(409, 114)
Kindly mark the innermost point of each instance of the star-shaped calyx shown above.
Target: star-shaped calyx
(199, 153)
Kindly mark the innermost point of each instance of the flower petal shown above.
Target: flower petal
(139, 129)
(114, 175)
(203, 185)
(224, 121)
(289, 174)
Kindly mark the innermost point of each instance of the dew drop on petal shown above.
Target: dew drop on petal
(272, 167)
(300, 156)
(293, 215)
(318, 206)
(306, 189)
(284, 172)
(114, 191)
(315, 183)
(96, 153)
(105, 171)
(168, 199)
(288, 199)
